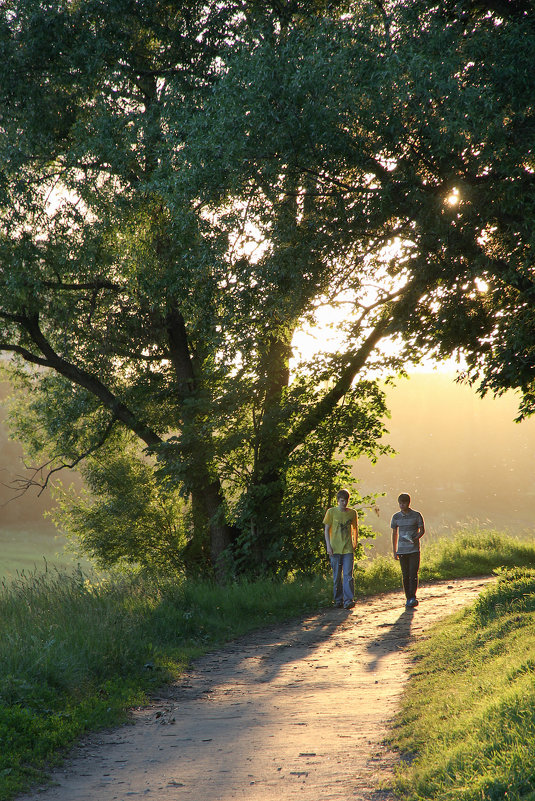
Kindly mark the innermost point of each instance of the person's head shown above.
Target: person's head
(404, 501)
(342, 498)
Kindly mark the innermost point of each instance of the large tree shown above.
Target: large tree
(185, 185)
(94, 266)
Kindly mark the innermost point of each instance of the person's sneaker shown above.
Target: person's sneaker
(339, 605)
(412, 602)
(349, 605)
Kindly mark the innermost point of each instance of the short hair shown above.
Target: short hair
(343, 493)
(404, 497)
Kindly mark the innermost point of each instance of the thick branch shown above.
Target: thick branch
(355, 363)
(342, 386)
(26, 354)
(179, 352)
(92, 285)
(84, 379)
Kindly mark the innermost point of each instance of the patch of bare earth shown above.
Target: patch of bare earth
(299, 711)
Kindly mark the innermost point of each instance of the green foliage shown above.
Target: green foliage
(474, 740)
(318, 469)
(125, 517)
(136, 296)
(485, 119)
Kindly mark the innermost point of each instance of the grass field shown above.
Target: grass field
(32, 548)
(467, 723)
(77, 651)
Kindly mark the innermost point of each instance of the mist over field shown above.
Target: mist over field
(26, 537)
(461, 458)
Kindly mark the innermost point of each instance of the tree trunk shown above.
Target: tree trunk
(266, 490)
(221, 534)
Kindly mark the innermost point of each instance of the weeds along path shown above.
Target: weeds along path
(294, 712)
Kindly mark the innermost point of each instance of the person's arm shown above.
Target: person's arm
(420, 532)
(355, 532)
(328, 539)
(395, 541)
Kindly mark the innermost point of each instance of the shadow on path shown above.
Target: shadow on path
(266, 716)
(261, 656)
(396, 636)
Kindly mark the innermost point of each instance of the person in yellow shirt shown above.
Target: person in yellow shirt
(341, 538)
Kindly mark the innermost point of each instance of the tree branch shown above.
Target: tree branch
(22, 485)
(179, 352)
(92, 285)
(82, 378)
(355, 363)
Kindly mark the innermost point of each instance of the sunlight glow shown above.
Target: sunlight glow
(453, 198)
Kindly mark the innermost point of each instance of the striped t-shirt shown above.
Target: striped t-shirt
(407, 524)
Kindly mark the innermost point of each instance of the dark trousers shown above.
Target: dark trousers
(410, 564)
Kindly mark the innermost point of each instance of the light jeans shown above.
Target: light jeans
(343, 584)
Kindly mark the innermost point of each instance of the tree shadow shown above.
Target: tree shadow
(263, 654)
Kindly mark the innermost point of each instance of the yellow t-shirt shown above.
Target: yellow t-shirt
(340, 525)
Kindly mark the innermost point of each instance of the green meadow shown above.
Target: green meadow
(32, 548)
(78, 650)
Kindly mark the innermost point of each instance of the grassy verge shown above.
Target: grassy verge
(468, 716)
(76, 653)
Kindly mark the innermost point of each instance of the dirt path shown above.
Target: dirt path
(294, 712)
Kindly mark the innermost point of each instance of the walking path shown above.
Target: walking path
(294, 712)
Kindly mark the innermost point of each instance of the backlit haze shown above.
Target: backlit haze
(463, 460)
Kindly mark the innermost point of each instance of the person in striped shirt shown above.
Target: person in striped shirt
(408, 528)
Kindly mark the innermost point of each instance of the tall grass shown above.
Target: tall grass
(468, 717)
(470, 552)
